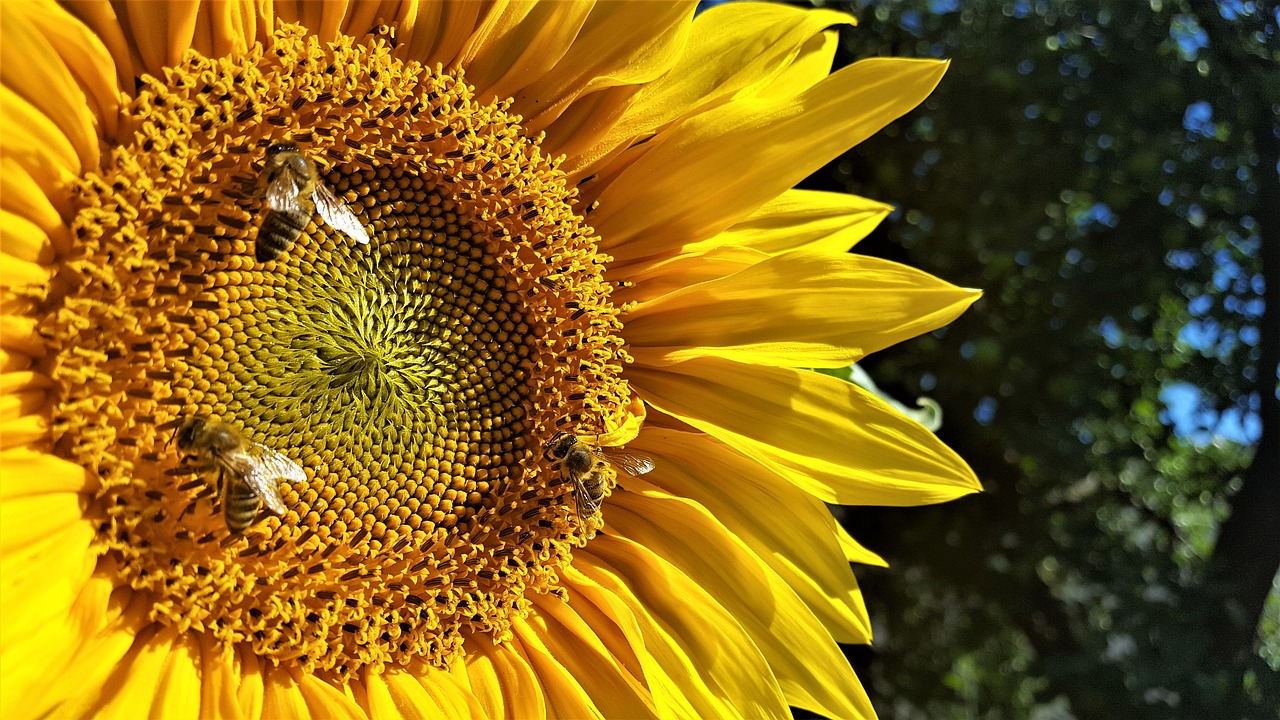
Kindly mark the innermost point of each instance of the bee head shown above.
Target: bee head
(560, 445)
(188, 432)
(281, 147)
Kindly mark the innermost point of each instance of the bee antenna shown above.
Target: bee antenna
(172, 424)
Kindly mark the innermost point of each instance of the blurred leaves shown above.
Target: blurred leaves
(1093, 166)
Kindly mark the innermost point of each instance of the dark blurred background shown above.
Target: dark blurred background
(1107, 173)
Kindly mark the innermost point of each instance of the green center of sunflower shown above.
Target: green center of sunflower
(417, 379)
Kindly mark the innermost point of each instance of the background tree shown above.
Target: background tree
(1106, 172)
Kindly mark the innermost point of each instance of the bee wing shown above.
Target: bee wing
(282, 193)
(631, 464)
(338, 215)
(266, 469)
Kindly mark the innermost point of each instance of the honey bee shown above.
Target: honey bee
(580, 463)
(294, 192)
(246, 471)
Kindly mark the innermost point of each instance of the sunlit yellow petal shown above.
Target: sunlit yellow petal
(519, 45)
(25, 242)
(798, 309)
(31, 67)
(22, 272)
(803, 220)
(41, 585)
(103, 22)
(224, 28)
(219, 680)
(37, 144)
(854, 552)
(131, 689)
(21, 431)
(562, 692)
(829, 437)
(281, 697)
(251, 695)
(503, 683)
(622, 46)
(86, 57)
(178, 691)
(94, 667)
(731, 49)
(653, 280)
(18, 334)
(812, 64)
(805, 658)
(804, 550)
(322, 699)
(435, 32)
(693, 181)
(22, 197)
(614, 689)
(724, 674)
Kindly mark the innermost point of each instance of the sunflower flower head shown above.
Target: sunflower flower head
(565, 242)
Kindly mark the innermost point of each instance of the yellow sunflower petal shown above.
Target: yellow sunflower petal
(32, 68)
(520, 44)
(19, 404)
(25, 242)
(251, 693)
(160, 32)
(561, 691)
(103, 22)
(219, 680)
(225, 28)
(730, 48)
(281, 696)
(648, 653)
(11, 361)
(503, 682)
(22, 431)
(622, 46)
(805, 658)
(85, 56)
(803, 220)
(322, 699)
(40, 585)
(854, 552)
(694, 180)
(799, 309)
(649, 281)
(178, 691)
(130, 691)
(92, 669)
(722, 672)
(18, 334)
(18, 272)
(828, 437)
(614, 690)
(804, 551)
(811, 64)
(22, 197)
(29, 473)
(37, 144)
(383, 703)
(436, 32)
(36, 652)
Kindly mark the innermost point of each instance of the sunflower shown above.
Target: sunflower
(582, 225)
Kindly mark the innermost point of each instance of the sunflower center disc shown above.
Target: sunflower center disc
(417, 379)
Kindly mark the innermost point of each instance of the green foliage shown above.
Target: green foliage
(1091, 166)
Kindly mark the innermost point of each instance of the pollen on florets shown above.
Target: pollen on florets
(416, 379)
